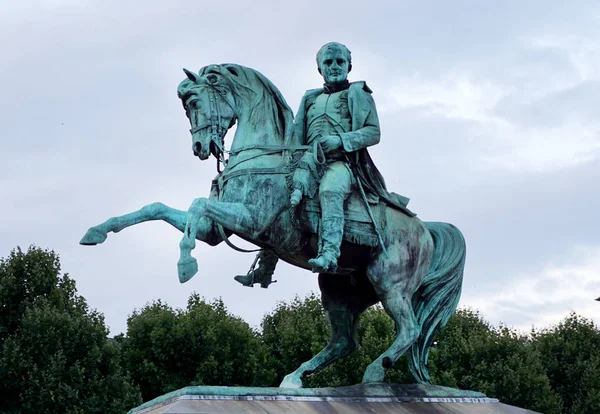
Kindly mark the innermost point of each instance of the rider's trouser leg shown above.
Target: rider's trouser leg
(333, 191)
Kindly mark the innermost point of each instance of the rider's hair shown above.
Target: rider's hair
(335, 46)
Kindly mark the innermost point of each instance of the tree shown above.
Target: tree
(570, 352)
(54, 351)
(500, 362)
(294, 333)
(29, 277)
(167, 349)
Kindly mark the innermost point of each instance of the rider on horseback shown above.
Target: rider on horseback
(341, 119)
(325, 117)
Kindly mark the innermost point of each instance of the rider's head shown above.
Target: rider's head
(334, 62)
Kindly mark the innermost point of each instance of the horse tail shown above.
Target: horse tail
(437, 298)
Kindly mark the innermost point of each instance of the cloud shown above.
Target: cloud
(541, 116)
(546, 296)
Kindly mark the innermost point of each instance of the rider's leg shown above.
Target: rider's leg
(334, 189)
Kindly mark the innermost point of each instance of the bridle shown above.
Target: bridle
(217, 131)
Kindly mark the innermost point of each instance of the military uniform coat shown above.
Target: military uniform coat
(364, 133)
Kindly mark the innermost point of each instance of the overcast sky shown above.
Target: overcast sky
(490, 116)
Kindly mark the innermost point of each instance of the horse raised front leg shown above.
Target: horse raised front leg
(232, 216)
(155, 211)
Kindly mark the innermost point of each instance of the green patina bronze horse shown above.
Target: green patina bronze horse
(413, 268)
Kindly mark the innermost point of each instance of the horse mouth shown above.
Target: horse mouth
(203, 155)
(200, 151)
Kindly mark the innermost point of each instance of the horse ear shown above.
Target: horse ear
(191, 75)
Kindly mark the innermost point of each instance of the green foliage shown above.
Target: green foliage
(31, 277)
(571, 353)
(500, 362)
(55, 356)
(167, 349)
(294, 332)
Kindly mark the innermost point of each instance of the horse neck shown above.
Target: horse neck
(256, 133)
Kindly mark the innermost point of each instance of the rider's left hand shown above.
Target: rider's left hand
(330, 143)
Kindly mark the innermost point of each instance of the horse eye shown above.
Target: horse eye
(212, 79)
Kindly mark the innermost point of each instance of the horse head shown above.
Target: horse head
(211, 108)
(221, 94)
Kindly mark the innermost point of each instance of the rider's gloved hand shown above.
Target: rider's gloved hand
(330, 143)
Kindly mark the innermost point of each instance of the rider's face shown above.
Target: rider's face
(334, 66)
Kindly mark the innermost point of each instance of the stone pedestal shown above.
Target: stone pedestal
(371, 398)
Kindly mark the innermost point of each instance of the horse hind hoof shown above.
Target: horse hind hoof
(187, 268)
(92, 238)
(374, 373)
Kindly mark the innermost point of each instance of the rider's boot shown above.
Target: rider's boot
(267, 261)
(331, 232)
(247, 279)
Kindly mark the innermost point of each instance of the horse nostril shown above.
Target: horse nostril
(197, 148)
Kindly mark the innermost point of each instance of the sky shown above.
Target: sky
(490, 117)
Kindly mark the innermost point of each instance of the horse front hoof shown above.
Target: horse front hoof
(93, 237)
(291, 381)
(187, 268)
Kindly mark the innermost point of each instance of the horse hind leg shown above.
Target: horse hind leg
(344, 300)
(407, 331)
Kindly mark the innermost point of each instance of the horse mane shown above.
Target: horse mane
(266, 100)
